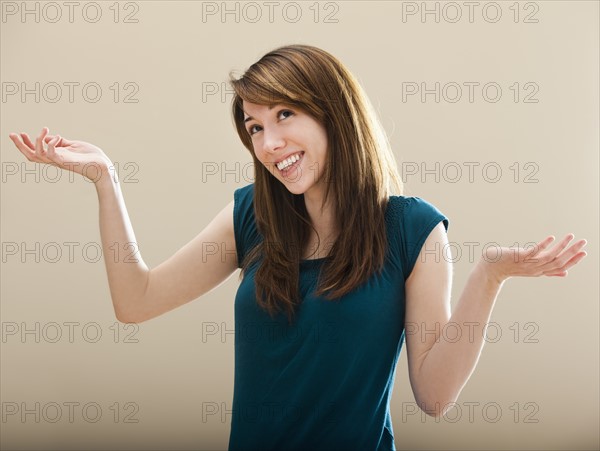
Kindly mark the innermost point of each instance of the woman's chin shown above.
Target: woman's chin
(294, 186)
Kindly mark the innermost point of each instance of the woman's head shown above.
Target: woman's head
(311, 82)
(284, 134)
(301, 99)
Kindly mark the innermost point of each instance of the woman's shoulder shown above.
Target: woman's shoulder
(411, 220)
(244, 200)
(246, 191)
(413, 202)
(414, 210)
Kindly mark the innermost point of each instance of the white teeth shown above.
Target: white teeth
(287, 162)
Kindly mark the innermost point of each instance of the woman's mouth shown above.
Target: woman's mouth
(292, 167)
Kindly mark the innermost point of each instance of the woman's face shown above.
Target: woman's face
(284, 131)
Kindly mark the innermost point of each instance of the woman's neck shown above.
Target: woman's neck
(324, 222)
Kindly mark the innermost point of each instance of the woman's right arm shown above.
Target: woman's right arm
(138, 293)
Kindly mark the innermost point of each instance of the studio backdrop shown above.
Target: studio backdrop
(491, 109)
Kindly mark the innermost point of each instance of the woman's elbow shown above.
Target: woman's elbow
(436, 408)
(127, 316)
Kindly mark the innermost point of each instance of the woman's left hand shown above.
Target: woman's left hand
(502, 263)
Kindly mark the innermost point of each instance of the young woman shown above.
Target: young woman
(337, 266)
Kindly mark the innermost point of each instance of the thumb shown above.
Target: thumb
(62, 142)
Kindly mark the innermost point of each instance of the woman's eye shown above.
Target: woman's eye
(285, 113)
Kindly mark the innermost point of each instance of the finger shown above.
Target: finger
(576, 259)
(49, 138)
(564, 243)
(29, 153)
(570, 254)
(551, 255)
(558, 274)
(39, 146)
(27, 141)
(51, 150)
(546, 242)
(539, 247)
(40, 151)
(62, 142)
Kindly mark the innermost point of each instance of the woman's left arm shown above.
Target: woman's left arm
(443, 348)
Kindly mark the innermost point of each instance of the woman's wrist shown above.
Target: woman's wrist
(489, 272)
(106, 176)
(105, 170)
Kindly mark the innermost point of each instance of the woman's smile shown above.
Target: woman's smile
(293, 167)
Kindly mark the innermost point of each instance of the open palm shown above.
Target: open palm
(77, 156)
(505, 262)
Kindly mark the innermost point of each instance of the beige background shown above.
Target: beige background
(545, 380)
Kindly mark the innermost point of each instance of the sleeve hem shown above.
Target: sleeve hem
(421, 241)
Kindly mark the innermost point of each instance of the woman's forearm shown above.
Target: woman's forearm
(127, 272)
(453, 357)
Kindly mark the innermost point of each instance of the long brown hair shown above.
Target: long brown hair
(360, 171)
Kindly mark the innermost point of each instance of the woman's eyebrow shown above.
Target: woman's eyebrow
(249, 118)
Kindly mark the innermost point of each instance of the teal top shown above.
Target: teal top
(324, 383)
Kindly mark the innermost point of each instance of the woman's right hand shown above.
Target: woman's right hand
(77, 156)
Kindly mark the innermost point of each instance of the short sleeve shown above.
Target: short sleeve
(244, 224)
(417, 219)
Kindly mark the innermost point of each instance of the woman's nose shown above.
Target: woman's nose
(272, 140)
